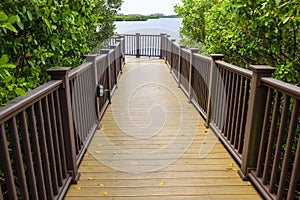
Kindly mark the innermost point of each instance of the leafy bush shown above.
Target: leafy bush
(248, 32)
(38, 34)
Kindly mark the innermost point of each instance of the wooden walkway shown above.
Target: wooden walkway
(153, 145)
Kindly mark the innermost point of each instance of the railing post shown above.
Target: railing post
(92, 58)
(122, 51)
(106, 51)
(138, 54)
(193, 51)
(179, 64)
(119, 54)
(61, 73)
(172, 55)
(162, 45)
(113, 47)
(166, 47)
(255, 117)
(213, 68)
(168, 52)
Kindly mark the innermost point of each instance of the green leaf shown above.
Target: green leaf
(29, 15)
(49, 2)
(9, 27)
(13, 19)
(285, 20)
(3, 16)
(4, 59)
(19, 23)
(20, 92)
(11, 66)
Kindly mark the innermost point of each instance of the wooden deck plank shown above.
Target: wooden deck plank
(154, 145)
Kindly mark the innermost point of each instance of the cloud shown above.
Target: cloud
(148, 6)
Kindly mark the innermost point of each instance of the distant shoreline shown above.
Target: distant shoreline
(142, 17)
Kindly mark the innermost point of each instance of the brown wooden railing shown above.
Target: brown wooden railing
(44, 135)
(142, 45)
(255, 116)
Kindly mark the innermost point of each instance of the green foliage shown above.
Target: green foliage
(10, 86)
(248, 32)
(193, 19)
(39, 34)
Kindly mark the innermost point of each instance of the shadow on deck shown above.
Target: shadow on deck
(153, 145)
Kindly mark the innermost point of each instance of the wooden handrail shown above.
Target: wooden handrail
(21, 103)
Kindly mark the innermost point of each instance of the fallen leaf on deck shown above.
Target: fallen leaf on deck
(101, 185)
(78, 188)
(99, 145)
(187, 161)
(162, 146)
(161, 184)
(248, 183)
(98, 152)
(91, 178)
(105, 193)
(133, 163)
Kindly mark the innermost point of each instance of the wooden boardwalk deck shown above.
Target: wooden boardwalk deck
(153, 145)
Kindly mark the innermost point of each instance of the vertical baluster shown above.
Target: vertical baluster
(223, 76)
(57, 147)
(44, 150)
(264, 137)
(12, 124)
(28, 156)
(238, 124)
(283, 121)
(235, 109)
(271, 140)
(5, 158)
(228, 98)
(49, 143)
(36, 153)
(244, 115)
(287, 155)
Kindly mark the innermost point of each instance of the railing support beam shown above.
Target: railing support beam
(138, 46)
(213, 69)
(179, 64)
(92, 58)
(255, 115)
(191, 70)
(106, 51)
(61, 73)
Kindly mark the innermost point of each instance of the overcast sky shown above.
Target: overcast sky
(147, 7)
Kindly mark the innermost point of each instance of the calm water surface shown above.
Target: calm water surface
(151, 26)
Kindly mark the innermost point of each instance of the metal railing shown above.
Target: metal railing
(142, 45)
(44, 135)
(33, 148)
(256, 117)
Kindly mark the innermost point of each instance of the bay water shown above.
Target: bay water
(151, 26)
